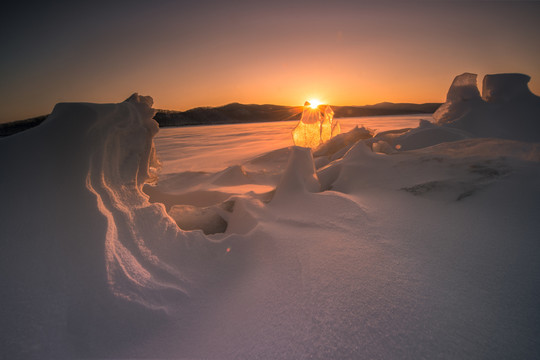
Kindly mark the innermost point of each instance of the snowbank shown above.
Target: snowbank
(88, 256)
(426, 134)
(361, 249)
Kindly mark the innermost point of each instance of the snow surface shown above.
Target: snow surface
(368, 251)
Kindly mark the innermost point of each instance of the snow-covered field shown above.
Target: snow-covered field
(409, 245)
(213, 148)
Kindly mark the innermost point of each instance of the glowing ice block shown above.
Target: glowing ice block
(326, 125)
(314, 128)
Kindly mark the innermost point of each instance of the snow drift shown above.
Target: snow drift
(359, 249)
(83, 250)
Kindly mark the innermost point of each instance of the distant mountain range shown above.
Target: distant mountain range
(242, 113)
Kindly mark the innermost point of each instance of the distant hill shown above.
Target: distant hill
(385, 108)
(228, 114)
(17, 126)
(242, 113)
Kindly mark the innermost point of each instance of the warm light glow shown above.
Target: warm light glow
(315, 127)
(313, 103)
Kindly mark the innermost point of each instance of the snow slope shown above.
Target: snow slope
(85, 256)
(353, 253)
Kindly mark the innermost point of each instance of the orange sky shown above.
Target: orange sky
(208, 53)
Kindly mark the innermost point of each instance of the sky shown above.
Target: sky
(187, 54)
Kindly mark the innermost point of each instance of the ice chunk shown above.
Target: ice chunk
(336, 128)
(308, 131)
(327, 124)
(310, 115)
(315, 128)
(506, 87)
(463, 93)
(463, 88)
(507, 109)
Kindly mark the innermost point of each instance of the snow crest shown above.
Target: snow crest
(81, 239)
(122, 161)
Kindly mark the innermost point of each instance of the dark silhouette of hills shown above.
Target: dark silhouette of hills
(228, 114)
(17, 126)
(385, 108)
(241, 113)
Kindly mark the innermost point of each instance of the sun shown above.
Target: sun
(314, 103)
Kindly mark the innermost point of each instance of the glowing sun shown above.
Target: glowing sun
(314, 103)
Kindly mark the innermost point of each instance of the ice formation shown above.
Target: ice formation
(500, 88)
(329, 126)
(507, 109)
(315, 128)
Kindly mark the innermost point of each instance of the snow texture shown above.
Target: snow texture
(84, 254)
(361, 249)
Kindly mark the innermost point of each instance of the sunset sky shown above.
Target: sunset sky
(209, 53)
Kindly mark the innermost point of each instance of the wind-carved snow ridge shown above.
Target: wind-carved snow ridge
(121, 162)
(96, 254)
(299, 176)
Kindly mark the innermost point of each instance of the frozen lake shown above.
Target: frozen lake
(423, 254)
(214, 147)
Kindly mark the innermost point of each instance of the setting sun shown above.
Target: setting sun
(314, 103)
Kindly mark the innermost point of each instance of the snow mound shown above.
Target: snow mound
(81, 239)
(299, 176)
(232, 175)
(382, 147)
(426, 134)
(339, 143)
